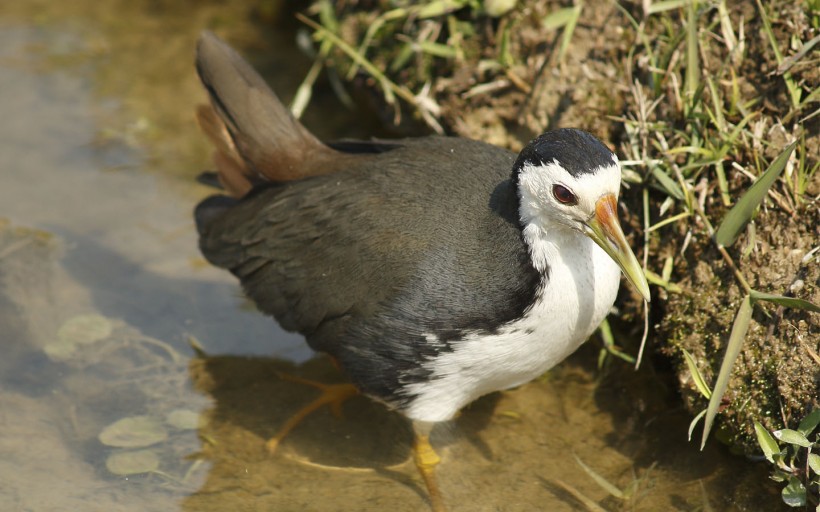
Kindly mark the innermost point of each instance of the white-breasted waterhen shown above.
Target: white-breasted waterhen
(433, 270)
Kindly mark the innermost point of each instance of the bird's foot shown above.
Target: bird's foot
(333, 395)
(426, 460)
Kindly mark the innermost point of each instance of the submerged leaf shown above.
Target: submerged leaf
(79, 330)
(183, 419)
(601, 481)
(133, 432)
(132, 462)
(85, 329)
(742, 212)
(60, 350)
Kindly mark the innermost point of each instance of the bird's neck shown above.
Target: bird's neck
(577, 274)
(543, 245)
(546, 244)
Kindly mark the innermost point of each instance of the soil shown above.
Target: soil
(776, 380)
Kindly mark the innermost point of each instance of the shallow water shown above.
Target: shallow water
(104, 293)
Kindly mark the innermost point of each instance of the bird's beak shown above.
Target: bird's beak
(605, 230)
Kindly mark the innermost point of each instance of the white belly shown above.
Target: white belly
(579, 291)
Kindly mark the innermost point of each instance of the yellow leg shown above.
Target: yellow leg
(426, 460)
(333, 395)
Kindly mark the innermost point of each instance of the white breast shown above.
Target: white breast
(574, 298)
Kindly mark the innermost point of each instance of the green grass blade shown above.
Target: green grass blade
(717, 104)
(794, 90)
(723, 185)
(666, 5)
(669, 185)
(789, 302)
(505, 56)
(741, 212)
(788, 62)
(729, 142)
(767, 443)
(559, 18)
(366, 41)
(606, 334)
(739, 328)
(439, 8)
(402, 58)
(694, 423)
(609, 342)
(668, 265)
(566, 18)
(767, 28)
(692, 79)
(700, 383)
(814, 96)
(657, 280)
(305, 91)
(695, 150)
(569, 29)
(729, 37)
(388, 87)
(438, 49)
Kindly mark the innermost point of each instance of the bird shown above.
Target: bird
(433, 270)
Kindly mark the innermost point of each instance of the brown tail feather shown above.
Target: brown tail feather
(256, 137)
(232, 171)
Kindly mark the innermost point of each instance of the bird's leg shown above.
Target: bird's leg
(426, 460)
(333, 395)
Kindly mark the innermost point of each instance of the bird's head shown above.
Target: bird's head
(569, 179)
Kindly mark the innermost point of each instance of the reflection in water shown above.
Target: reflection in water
(102, 288)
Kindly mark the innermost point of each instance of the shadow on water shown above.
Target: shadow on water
(101, 284)
(255, 395)
(170, 308)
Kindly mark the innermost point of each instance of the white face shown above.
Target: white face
(552, 196)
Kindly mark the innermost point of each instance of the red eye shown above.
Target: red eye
(563, 195)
